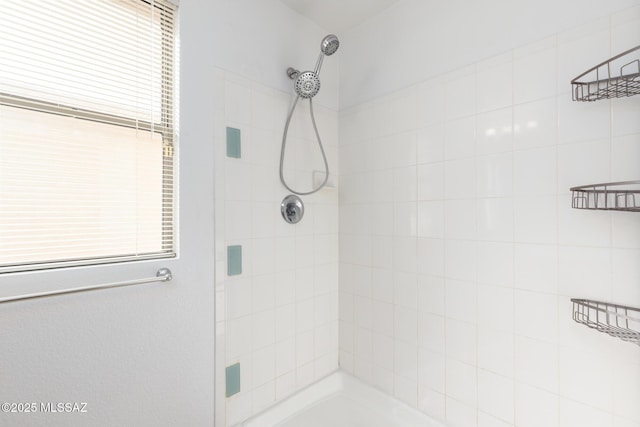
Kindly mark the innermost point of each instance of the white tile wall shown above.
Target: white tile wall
(456, 215)
(457, 250)
(279, 318)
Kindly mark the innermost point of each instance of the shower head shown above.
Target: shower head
(329, 44)
(307, 84)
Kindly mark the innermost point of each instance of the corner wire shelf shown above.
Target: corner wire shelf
(618, 196)
(616, 320)
(615, 78)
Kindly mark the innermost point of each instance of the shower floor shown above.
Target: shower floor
(341, 400)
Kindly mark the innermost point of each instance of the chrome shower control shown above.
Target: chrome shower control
(292, 209)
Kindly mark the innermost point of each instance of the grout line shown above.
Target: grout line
(513, 246)
(557, 232)
(476, 199)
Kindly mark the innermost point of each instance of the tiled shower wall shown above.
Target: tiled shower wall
(459, 250)
(279, 318)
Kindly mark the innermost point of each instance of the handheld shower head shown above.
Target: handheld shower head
(330, 44)
(328, 47)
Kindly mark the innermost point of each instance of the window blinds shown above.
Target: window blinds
(86, 132)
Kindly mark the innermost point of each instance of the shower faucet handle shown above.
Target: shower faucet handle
(292, 209)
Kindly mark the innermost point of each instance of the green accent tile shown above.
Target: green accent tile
(233, 380)
(234, 144)
(234, 260)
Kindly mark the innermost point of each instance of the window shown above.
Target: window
(86, 132)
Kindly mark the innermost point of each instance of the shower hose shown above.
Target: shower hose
(284, 144)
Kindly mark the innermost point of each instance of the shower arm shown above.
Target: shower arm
(293, 73)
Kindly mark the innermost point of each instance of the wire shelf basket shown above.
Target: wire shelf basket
(619, 196)
(615, 78)
(616, 320)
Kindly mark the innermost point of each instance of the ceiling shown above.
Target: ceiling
(337, 16)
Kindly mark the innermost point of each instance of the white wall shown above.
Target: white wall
(279, 318)
(140, 355)
(459, 249)
(416, 39)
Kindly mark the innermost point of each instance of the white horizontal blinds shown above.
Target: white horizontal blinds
(65, 198)
(97, 55)
(86, 131)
